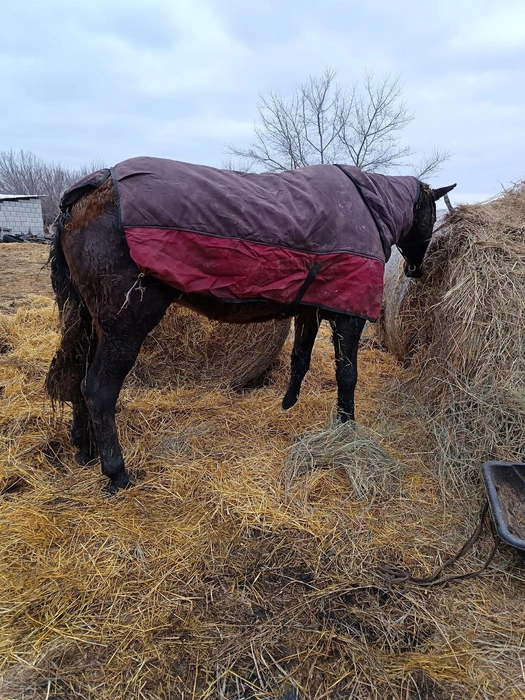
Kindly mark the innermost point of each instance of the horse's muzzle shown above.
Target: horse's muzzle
(413, 271)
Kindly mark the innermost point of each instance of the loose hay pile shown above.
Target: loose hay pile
(462, 328)
(213, 577)
(186, 347)
(352, 448)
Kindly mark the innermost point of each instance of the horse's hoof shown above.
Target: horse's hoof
(289, 401)
(343, 417)
(110, 490)
(122, 481)
(85, 457)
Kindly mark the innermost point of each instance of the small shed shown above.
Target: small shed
(21, 215)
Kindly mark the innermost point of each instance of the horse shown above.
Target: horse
(109, 298)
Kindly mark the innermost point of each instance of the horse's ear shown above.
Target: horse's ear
(442, 191)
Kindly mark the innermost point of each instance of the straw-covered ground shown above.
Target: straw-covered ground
(244, 562)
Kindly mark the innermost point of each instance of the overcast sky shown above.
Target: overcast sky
(99, 80)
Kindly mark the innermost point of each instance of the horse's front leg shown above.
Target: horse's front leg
(346, 331)
(306, 327)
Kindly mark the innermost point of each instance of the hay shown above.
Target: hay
(395, 325)
(462, 330)
(187, 347)
(211, 578)
(370, 469)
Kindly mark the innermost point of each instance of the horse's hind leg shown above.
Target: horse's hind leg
(346, 333)
(82, 436)
(113, 360)
(306, 327)
(120, 337)
(123, 312)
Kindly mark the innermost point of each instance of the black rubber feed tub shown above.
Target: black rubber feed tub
(505, 483)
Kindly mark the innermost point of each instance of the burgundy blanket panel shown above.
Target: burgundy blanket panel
(234, 270)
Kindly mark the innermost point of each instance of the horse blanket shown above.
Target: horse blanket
(319, 235)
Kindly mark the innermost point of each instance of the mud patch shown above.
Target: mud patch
(385, 620)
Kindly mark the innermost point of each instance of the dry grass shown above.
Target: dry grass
(243, 564)
(23, 272)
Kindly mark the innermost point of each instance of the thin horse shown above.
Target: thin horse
(110, 294)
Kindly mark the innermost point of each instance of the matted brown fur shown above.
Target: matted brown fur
(91, 206)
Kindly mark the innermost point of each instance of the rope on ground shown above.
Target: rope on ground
(400, 577)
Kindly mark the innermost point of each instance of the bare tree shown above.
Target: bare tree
(430, 163)
(239, 164)
(22, 172)
(325, 123)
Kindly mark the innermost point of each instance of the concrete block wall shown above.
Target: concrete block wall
(22, 216)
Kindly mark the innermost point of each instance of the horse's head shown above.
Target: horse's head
(414, 243)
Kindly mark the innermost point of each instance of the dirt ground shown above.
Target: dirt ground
(22, 272)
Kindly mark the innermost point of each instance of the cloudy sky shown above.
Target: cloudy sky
(99, 80)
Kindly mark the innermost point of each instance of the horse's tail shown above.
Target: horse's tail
(61, 280)
(69, 365)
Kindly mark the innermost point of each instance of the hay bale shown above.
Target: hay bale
(462, 330)
(392, 328)
(187, 347)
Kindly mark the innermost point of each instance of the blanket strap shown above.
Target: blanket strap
(310, 277)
